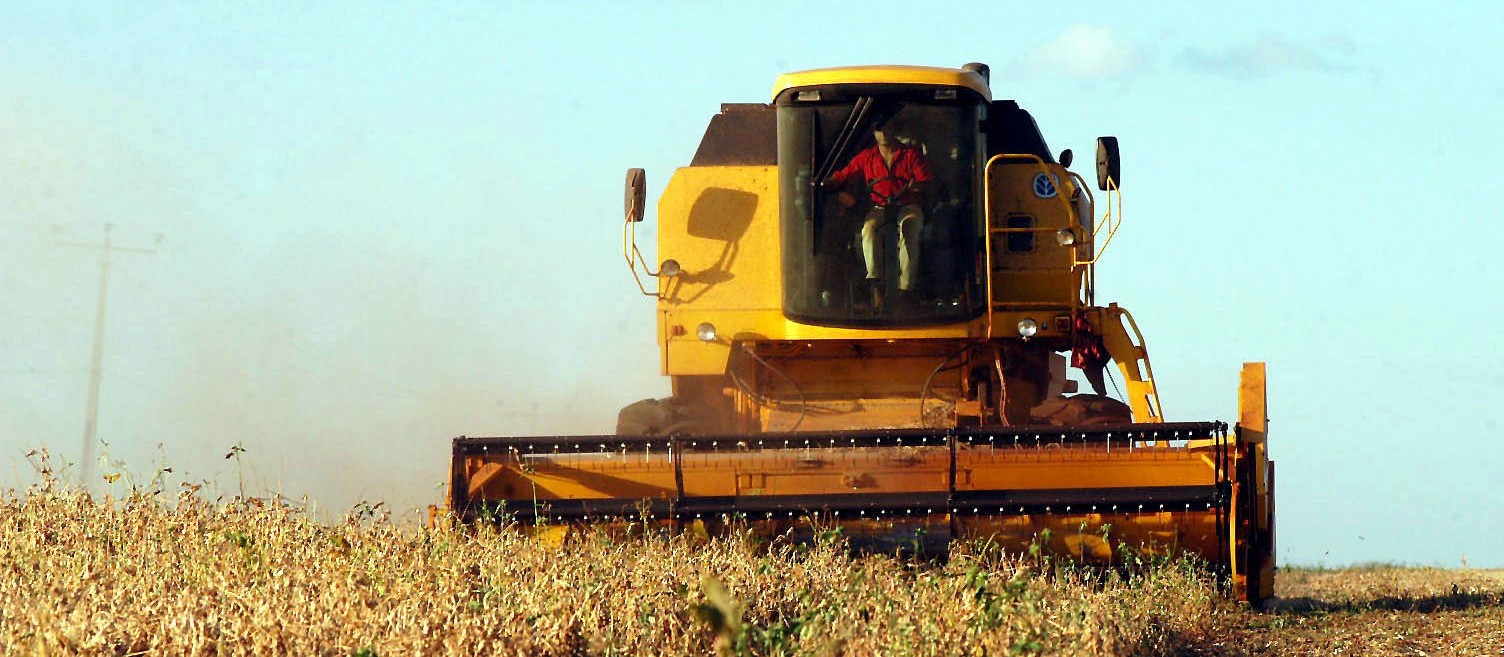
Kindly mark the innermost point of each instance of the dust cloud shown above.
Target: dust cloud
(330, 310)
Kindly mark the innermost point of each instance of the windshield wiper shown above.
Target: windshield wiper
(854, 120)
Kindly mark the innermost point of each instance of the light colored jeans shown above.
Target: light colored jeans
(910, 220)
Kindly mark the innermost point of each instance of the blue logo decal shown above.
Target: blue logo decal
(1046, 185)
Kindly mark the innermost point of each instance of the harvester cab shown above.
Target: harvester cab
(869, 294)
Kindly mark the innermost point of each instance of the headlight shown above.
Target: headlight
(670, 268)
(1065, 237)
(706, 331)
(1027, 327)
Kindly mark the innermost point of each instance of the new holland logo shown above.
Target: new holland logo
(1046, 185)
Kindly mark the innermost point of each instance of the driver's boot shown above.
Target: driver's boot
(876, 286)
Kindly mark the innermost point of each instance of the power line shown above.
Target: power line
(96, 362)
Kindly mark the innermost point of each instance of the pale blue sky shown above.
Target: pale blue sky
(386, 227)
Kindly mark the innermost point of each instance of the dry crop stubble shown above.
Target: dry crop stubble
(158, 573)
(182, 574)
(1376, 610)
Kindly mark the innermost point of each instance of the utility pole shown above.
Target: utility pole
(96, 362)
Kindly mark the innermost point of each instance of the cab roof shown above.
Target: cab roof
(884, 74)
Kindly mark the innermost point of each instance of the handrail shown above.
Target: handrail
(987, 238)
(634, 257)
(1107, 221)
(1089, 276)
(1027, 305)
(991, 230)
(1091, 200)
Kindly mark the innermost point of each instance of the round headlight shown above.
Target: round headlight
(1065, 237)
(1027, 327)
(670, 268)
(706, 331)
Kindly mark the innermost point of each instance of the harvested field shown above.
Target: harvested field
(1376, 610)
(179, 574)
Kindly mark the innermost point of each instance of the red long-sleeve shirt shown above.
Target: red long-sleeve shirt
(909, 168)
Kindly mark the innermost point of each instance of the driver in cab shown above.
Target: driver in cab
(896, 178)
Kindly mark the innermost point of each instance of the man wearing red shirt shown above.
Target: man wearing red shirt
(896, 177)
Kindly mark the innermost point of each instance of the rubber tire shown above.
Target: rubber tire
(658, 417)
(1083, 410)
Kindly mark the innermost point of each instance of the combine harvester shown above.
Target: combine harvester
(866, 291)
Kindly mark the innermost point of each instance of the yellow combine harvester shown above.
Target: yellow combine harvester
(866, 292)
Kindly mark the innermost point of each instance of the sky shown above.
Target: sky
(365, 230)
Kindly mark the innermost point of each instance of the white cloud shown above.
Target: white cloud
(1087, 52)
(1268, 55)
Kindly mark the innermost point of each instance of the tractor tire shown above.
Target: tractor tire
(1084, 410)
(659, 417)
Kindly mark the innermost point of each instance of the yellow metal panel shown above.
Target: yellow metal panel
(770, 324)
(816, 471)
(919, 75)
(749, 467)
(1235, 567)
(793, 330)
(1046, 468)
(578, 476)
(721, 225)
(687, 354)
(1253, 416)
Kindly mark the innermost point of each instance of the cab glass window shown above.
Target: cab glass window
(880, 210)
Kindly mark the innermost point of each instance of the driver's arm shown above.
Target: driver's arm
(925, 182)
(852, 168)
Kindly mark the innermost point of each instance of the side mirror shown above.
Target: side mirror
(637, 193)
(1109, 167)
(1066, 158)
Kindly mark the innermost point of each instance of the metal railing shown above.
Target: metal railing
(1066, 204)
